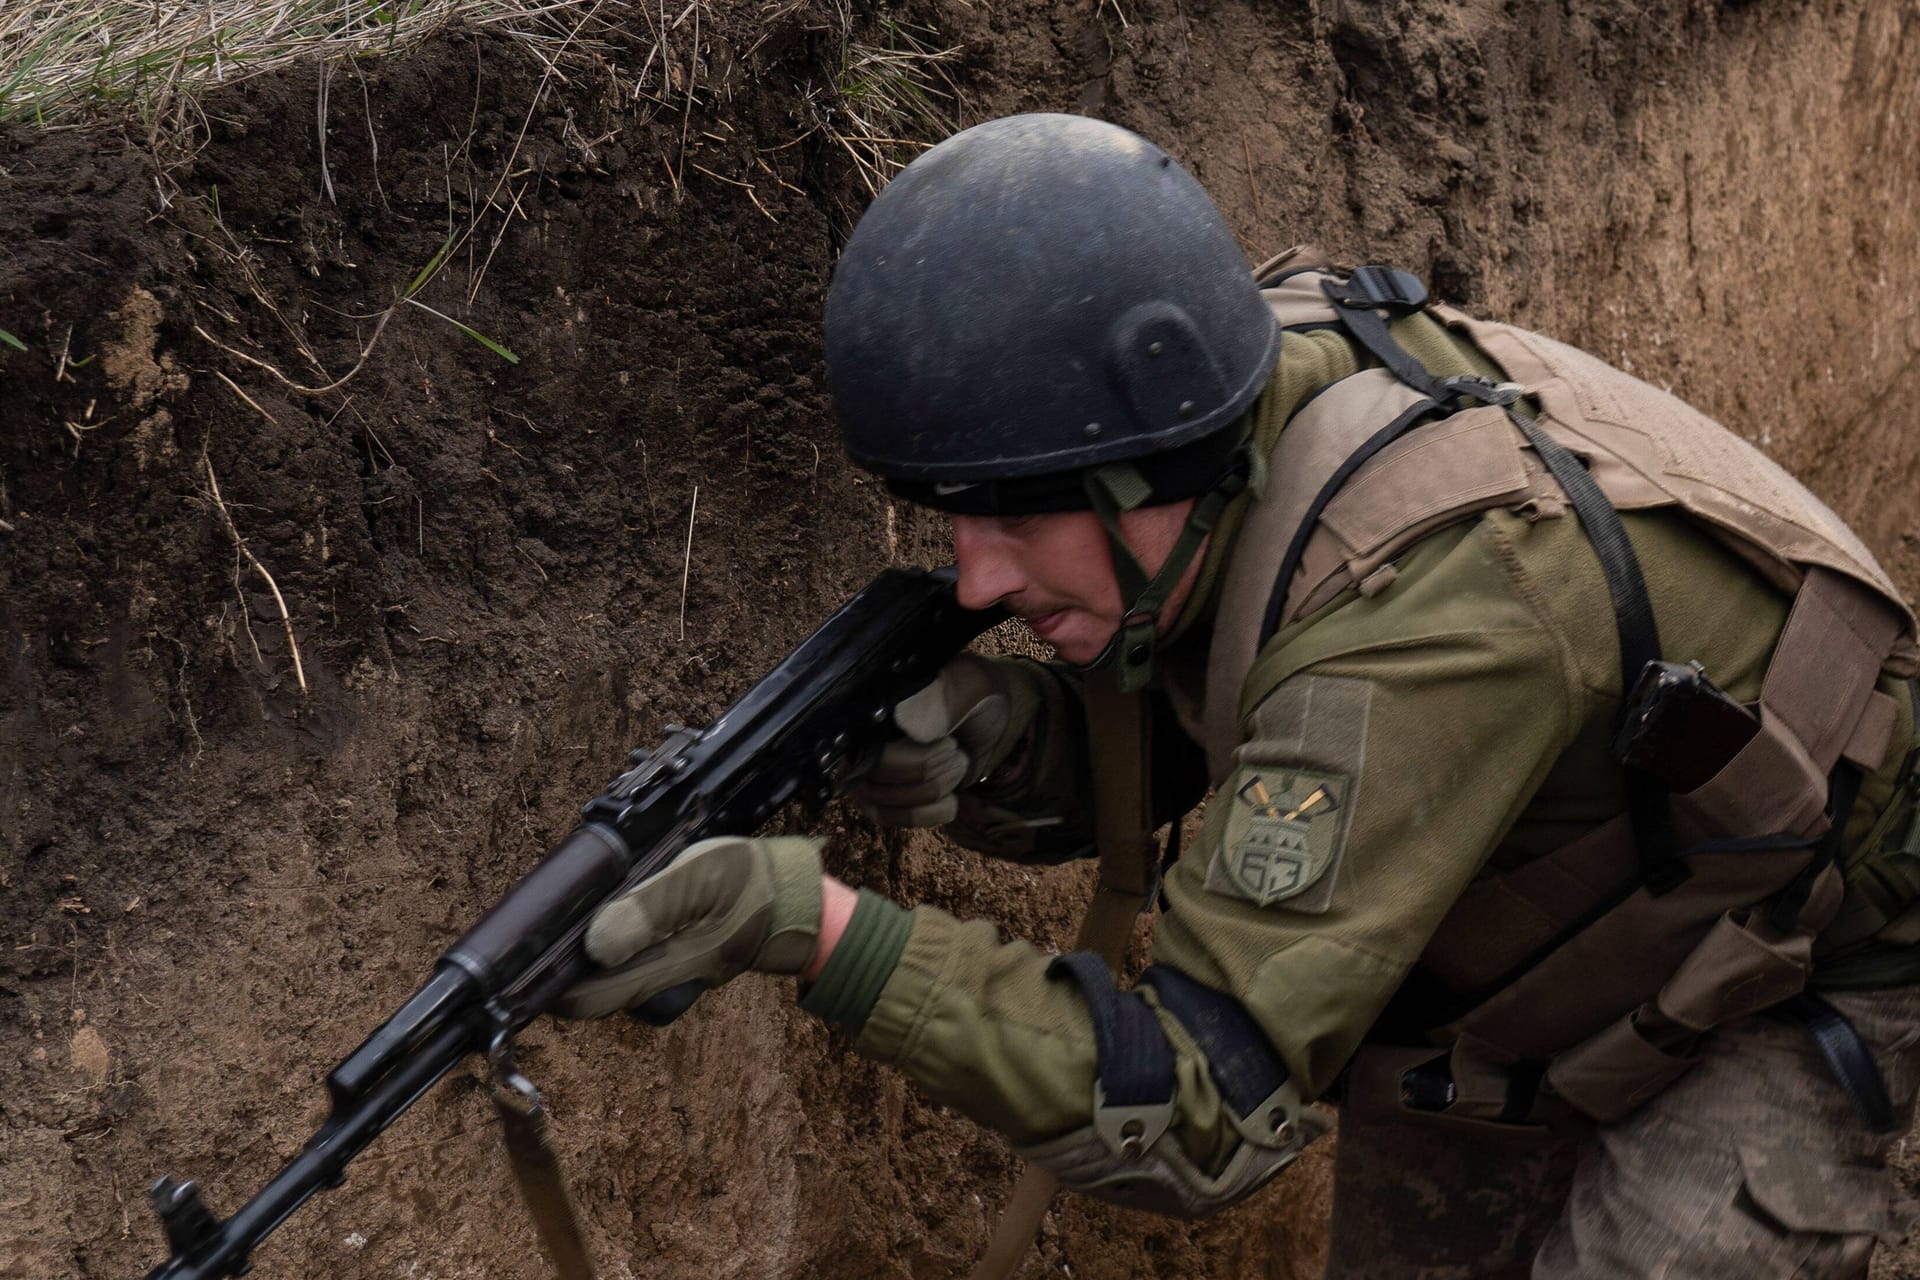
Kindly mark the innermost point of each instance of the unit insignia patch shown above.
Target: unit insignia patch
(1283, 833)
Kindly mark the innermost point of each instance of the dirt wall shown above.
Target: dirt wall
(498, 576)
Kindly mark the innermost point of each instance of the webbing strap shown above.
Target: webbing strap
(1118, 734)
(1843, 789)
(1241, 1059)
(1633, 619)
(1847, 1056)
(1648, 808)
(1633, 611)
(1357, 301)
(536, 1165)
(1119, 731)
(1117, 488)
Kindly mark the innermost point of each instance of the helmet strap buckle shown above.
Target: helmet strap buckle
(1133, 643)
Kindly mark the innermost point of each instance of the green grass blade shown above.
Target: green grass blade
(12, 341)
(427, 272)
(470, 331)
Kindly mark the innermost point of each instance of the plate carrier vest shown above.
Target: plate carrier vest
(1579, 982)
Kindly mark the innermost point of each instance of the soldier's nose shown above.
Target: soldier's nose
(987, 573)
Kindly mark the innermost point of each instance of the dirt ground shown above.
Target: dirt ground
(316, 635)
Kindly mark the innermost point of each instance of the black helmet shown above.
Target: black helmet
(1032, 299)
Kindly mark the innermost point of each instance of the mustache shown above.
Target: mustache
(1030, 608)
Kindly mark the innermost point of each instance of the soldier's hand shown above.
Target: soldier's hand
(725, 906)
(954, 734)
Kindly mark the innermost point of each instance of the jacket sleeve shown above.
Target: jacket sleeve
(1399, 740)
(1392, 753)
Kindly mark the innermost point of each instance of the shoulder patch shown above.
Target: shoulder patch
(1283, 833)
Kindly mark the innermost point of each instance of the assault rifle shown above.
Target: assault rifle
(806, 729)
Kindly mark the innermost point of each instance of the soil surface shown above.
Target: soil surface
(317, 630)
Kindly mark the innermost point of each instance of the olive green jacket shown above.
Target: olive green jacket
(1460, 718)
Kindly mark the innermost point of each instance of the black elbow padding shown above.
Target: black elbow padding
(1135, 1062)
(1245, 1066)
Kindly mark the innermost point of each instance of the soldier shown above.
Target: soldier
(1563, 820)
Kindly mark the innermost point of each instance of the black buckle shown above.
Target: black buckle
(1390, 287)
(1474, 387)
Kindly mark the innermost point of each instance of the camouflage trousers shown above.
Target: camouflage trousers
(1753, 1164)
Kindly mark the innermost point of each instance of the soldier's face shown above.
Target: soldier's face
(1056, 571)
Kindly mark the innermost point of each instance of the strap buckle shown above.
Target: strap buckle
(1374, 287)
(1474, 387)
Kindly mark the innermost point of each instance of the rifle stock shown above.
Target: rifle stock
(802, 731)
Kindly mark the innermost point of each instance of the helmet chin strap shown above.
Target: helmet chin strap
(1117, 488)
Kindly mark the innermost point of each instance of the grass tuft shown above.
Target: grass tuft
(892, 96)
(61, 59)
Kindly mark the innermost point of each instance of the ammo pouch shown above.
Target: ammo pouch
(1589, 985)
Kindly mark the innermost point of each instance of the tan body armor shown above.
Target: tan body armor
(1580, 979)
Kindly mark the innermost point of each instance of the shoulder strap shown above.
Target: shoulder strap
(1359, 302)
(1117, 731)
(1315, 442)
(1414, 414)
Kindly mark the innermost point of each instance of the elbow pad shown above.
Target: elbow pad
(1128, 1154)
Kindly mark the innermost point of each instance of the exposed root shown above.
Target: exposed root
(295, 387)
(686, 567)
(240, 545)
(735, 182)
(251, 403)
(323, 81)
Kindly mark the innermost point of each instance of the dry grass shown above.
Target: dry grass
(887, 95)
(892, 96)
(882, 95)
(60, 59)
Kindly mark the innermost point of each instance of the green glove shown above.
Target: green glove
(725, 906)
(955, 733)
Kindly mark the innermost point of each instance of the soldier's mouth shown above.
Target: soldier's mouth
(1046, 624)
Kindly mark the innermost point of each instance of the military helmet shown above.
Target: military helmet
(1037, 297)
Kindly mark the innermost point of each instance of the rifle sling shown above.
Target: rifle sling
(536, 1167)
(1117, 734)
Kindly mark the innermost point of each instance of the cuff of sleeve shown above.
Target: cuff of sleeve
(861, 963)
